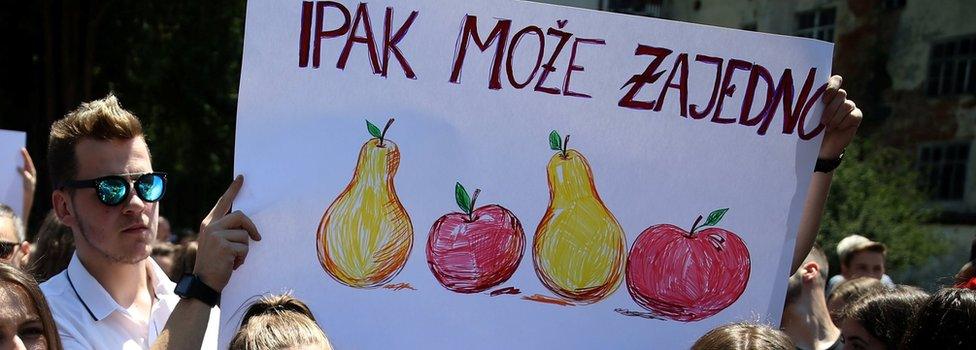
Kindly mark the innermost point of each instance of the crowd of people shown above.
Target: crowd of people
(105, 271)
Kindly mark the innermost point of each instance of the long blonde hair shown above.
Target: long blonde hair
(278, 322)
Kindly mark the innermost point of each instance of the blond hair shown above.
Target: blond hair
(102, 120)
(278, 322)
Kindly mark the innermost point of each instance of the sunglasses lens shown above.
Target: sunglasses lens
(151, 187)
(112, 191)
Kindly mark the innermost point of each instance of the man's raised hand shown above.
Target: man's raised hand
(223, 240)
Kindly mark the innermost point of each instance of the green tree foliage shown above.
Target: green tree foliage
(875, 194)
(175, 64)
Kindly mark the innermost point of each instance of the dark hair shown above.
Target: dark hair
(54, 247)
(278, 322)
(184, 259)
(102, 119)
(10, 278)
(946, 321)
(887, 313)
(852, 289)
(744, 336)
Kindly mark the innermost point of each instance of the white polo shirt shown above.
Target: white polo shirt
(88, 317)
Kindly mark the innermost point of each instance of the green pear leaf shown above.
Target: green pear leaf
(555, 141)
(715, 217)
(462, 198)
(373, 130)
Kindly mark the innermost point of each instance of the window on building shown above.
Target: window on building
(942, 169)
(893, 4)
(817, 24)
(651, 8)
(952, 67)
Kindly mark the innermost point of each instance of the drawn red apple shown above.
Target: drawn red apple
(688, 275)
(473, 251)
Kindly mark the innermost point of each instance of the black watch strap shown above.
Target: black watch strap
(190, 286)
(827, 165)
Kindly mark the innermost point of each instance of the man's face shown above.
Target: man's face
(865, 264)
(121, 233)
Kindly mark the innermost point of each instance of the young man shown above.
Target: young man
(806, 318)
(14, 248)
(112, 296)
(860, 257)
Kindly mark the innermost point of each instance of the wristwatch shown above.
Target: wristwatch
(827, 165)
(190, 286)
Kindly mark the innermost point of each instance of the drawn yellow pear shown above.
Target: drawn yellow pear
(579, 247)
(365, 236)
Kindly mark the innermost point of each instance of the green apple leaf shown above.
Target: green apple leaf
(715, 217)
(461, 196)
(373, 130)
(555, 141)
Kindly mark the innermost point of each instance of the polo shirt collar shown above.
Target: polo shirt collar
(96, 299)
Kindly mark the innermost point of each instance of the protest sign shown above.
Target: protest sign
(11, 181)
(504, 174)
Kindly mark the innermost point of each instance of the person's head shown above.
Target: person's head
(849, 291)
(52, 250)
(99, 161)
(279, 322)
(164, 253)
(164, 232)
(945, 321)
(861, 257)
(880, 319)
(14, 248)
(25, 318)
(811, 276)
(744, 336)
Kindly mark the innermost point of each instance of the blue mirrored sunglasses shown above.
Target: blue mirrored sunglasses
(112, 190)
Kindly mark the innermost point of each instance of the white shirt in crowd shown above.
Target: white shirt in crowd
(88, 317)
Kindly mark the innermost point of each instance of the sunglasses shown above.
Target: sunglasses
(112, 190)
(7, 249)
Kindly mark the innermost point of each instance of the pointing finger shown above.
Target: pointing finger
(224, 203)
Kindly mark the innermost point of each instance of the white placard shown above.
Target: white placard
(318, 184)
(11, 181)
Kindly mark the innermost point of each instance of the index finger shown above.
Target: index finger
(28, 163)
(225, 202)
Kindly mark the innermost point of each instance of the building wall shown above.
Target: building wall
(586, 4)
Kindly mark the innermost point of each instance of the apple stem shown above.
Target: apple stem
(385, 128)
(474, 198)
(565, 145)
(695, 226)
